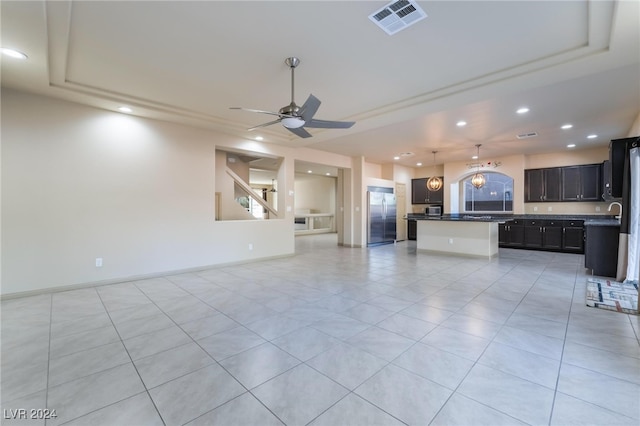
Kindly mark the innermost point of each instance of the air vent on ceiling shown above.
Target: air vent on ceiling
(527, 135)
(397, 16)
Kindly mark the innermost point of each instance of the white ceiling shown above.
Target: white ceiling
(570, 62)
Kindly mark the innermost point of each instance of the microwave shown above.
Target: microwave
(433, 211)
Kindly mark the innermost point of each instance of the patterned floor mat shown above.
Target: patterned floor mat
(612, 295)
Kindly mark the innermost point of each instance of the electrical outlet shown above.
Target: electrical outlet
(535, 208)
(98, 262)
(250, 246)
(450, 240)
(597, 208)
(549, 209)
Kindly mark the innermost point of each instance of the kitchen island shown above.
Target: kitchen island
(475, 236)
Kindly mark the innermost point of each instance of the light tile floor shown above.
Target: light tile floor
(330, 336)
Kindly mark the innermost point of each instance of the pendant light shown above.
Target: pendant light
(434, 183)
(273, 186)
(478, 180)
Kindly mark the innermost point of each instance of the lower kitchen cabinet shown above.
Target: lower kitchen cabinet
(538, 234)
(601, 250)
(543, 234)
(573, 236)
(511, 234)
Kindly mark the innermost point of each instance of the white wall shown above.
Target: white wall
(315, 193)
(80, 183)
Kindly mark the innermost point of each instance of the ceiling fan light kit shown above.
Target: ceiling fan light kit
(293, 117)
(292, 122)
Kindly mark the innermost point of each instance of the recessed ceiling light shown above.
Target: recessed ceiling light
(475, 157)
(571, 145)
(259, 138)
(396, 158)
(592, 136)
(125, 109)
(566, 126)
(461, 123)
(328, 174)
(309, 171)
(13, 53)
(522, 110)
(418, 164)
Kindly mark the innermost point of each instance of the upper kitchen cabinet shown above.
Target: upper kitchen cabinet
(542, 185)
(607, 190)
(617, 153)
(421, 195)
(582, 183)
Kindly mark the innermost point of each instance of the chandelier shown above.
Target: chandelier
(434, 183)
(478, 180)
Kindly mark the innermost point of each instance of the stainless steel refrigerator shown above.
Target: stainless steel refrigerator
(382, 216)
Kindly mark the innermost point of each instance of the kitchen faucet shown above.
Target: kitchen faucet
(615, 202)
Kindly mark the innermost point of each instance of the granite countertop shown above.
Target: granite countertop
(589, 220)
(460, 217)
(602, 222)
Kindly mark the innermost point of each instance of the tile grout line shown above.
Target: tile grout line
(564, 342)
(46, 398)
(549, 267)
(208, 354)
(289, 369)
(480, 356)
(132, 363)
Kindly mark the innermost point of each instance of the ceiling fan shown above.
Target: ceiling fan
(295, 118)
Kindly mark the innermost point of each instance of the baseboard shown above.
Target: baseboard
(130, 278)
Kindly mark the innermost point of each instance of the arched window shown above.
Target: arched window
(495, 196)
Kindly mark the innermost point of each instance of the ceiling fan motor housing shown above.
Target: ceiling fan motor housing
(291, 109)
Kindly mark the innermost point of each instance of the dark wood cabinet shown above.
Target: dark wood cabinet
(573, 236)
(601, 249)
(533, 234)
(412, 229)
(542, 185)
(511, 234)
(582, 183)
(436, 197)
(617, 153)
(591, 182)
(571, 183)
(543, 234)
(552, 234)
(419, 191)
(607, 191)
(421, 195)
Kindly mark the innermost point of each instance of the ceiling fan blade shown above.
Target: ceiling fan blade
(299, 131)
(263, 125)
(261, 111)
(325, 124)
(309, 108)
